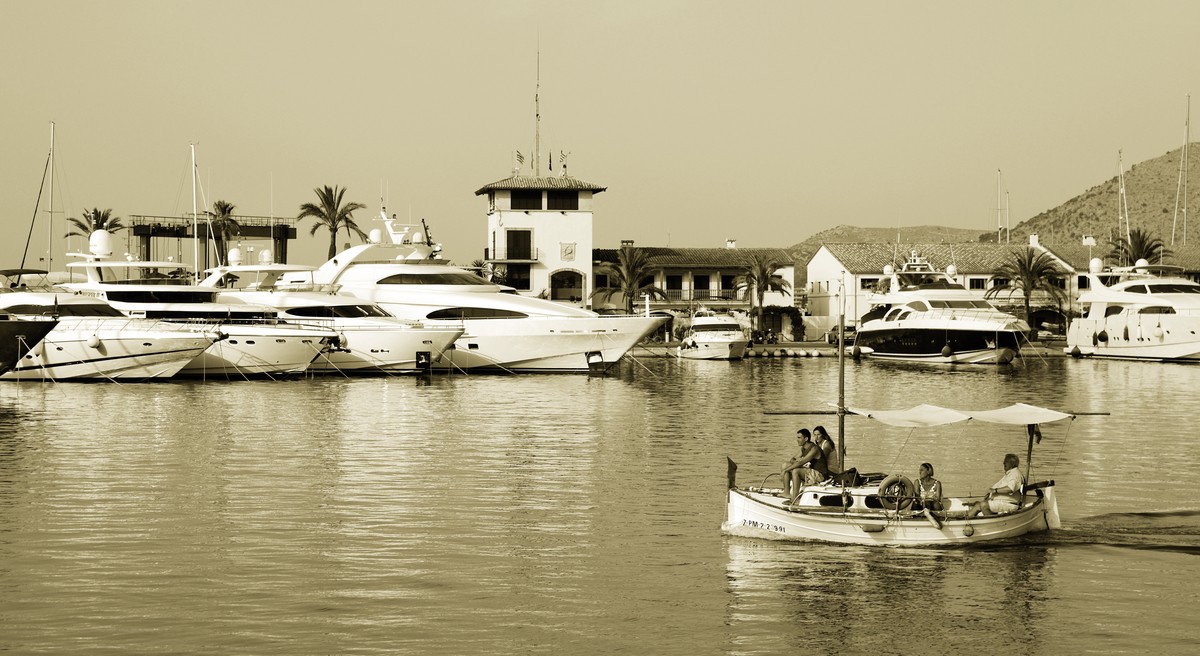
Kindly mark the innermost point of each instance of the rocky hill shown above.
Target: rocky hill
(1151, 193)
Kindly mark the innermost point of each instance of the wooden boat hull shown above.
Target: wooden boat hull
(762, 512)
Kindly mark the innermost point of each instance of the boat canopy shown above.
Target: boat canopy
(931, 415)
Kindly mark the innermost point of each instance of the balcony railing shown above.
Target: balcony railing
(511, 255)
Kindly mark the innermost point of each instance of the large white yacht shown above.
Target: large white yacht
(1143, 312)
(369, 338)
(503, 331)
(93, 340)
(254, 342)
(923, 315)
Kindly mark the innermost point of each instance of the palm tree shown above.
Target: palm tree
(631, 276)
(1027, 271)
(95, 219)
(224, 226)
(1140, 245)
(332, 215)
(761, 277)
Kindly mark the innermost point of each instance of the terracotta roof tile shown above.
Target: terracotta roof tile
(549, 182)
(662, 257)
(968, 258)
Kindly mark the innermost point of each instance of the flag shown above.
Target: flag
(520, 158)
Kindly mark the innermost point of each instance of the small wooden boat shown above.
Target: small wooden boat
(878, 509)
(882, 509)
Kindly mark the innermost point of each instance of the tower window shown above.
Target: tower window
(527, 199)
(559, 199)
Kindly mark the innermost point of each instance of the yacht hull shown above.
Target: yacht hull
(103, 349)
(382, 348)
(713, 350)
(938, 344)
(1160, 337)
(543, 344)
(18, 336)
(259, 350)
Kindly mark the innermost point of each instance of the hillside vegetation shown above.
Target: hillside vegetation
(1151, 193)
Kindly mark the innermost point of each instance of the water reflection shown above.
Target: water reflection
(849, 599)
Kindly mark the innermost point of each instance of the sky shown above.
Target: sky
(760, 121)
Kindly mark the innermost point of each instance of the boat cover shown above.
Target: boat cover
(932, 415)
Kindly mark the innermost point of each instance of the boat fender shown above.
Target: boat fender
(856, 353)
(93, 341)
(1095, 340)
(1127, 333)
(343, 341)
(1076, 353)
(1158, 331)
(947, 351)
(1103, 336)
(896, 492)
(968, 530)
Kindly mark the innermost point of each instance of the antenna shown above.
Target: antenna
(537, 113)
(999, 224)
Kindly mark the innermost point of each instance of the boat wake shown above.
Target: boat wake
(1165, 530)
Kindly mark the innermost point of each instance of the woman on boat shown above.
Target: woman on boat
(821, 437)
(929, 489)
(1003, 497)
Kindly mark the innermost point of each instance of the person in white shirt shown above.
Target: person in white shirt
(1005, 495)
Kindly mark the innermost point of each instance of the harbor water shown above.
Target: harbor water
(579, 514)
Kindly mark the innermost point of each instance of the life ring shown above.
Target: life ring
(896, 492)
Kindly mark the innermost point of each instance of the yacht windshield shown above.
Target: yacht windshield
(475, 313)
(76, 310)
(339, 311)
(1174, 288)
(441, 278)
(715, 328)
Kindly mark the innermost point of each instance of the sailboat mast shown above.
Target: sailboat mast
(999, 225)
(195, 224)
(50, 208)
(841, 407)
(1187, 131)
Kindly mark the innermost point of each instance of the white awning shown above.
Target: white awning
(931, 415)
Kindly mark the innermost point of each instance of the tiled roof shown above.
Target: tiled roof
(664, 258)
(549, 182)
(969, 257)
(1078, 255)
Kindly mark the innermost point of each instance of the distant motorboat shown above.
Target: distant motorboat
(923, 315)
(713, 336)
(1142, 312)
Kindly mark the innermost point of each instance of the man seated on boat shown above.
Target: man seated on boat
(807, 467)
(1004, 496)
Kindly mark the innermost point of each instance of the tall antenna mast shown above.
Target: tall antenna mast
(537, 114)
(1007, 227)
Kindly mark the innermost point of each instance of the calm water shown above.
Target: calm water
(576, 515)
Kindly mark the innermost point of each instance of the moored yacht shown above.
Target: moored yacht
(93, 340)
(924, 315)
(713, 336)
(502, 330)
(1143, 312)
(369, 338)
(254, 342)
